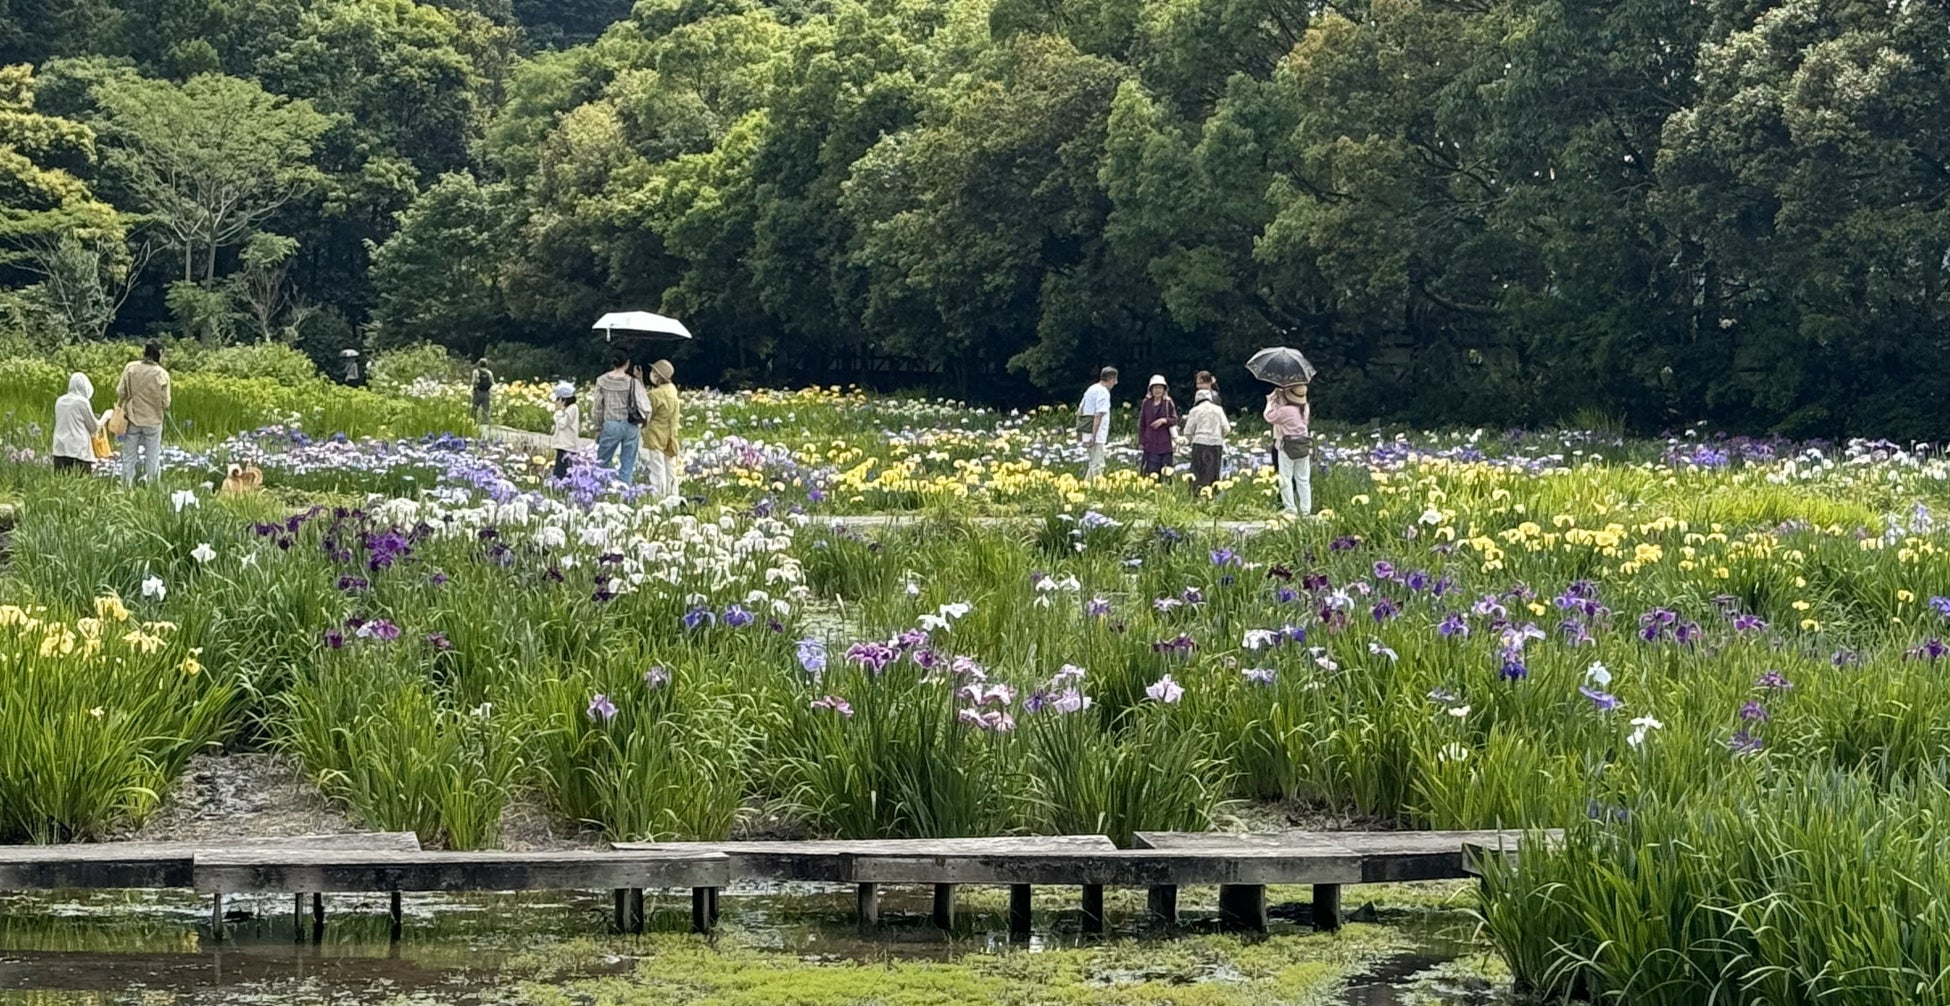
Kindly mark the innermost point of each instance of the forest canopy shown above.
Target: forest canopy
(1648, 212)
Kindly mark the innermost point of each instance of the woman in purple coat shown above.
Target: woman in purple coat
(1157, 418)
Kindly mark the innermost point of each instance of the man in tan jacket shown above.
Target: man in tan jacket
(142, 397)
(660, 433)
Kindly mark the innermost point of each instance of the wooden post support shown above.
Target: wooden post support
(620, 897)
(1327, 907)
(1243, 906)
(396, 915)
(636, 909)
(944, 906)
(298, 916)
(318, 909)
(1093, 908)
(869, 906)
(704, 909)
(216, 916)
(1163, 903)
(1019, 905)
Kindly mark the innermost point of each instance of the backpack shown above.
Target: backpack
(483, 381)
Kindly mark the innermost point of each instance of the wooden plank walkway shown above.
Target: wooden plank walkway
(626, 873)
(1379, 857)
(1242, 865)
(81, 866)
(849, 862)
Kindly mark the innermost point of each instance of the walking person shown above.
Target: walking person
(660, 435)
(1157, 418)
(142, 398)
(621, 407)
(1291, 418)
(567, 438)
(1207, 427)
(1093, 422)
(76, 426)
(483, 391)
(350, 373)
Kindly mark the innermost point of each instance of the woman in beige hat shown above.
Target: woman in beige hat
(662, 465)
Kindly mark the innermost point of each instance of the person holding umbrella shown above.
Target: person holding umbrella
(350, 371)
(620, 409)
(1291, 417)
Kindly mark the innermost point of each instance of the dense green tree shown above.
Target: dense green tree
(439, 274)
(207, 161)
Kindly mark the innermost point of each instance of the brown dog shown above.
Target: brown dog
(243, 479)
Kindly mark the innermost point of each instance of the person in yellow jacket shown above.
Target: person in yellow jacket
(661, 462)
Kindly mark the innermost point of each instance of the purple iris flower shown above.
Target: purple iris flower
(812, 656)
(736, 617)
(697, 616)
(1774, 680)
(1385, 609)
(873, 656)
(1514, 670)
(1748, 623)
(1452, 626)
(1604, 702)
(601, 709)
(334, 639)
(1754, 711)
(1931, 649)
(1742, 743)
(656, 677)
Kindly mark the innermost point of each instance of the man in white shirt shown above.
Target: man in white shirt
(1093, 422)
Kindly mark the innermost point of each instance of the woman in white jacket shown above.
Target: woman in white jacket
(75, 425)
(1206, 426)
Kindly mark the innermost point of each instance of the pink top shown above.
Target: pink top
(1288, 419)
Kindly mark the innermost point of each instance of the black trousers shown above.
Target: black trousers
(561, 462)
(75, 465)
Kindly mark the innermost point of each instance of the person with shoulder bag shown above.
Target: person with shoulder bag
(621, 408)
(1291, 417)
(142, 401)
(1093, 423)
(78, 438)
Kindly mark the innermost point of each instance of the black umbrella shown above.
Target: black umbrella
(1281, 365)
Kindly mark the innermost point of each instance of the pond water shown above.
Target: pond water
(797, 946)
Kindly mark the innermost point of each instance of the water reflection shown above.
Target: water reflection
(156, 948)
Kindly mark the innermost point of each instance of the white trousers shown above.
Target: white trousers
(662, 473)
(1094, 469)
(1296, 484)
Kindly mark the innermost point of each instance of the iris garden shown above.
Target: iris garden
(1718, 663)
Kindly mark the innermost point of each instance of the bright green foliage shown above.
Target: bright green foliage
(42, 199)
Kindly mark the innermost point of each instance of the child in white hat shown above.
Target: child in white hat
(567, 438)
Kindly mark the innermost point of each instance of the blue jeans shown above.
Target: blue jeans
(617, 433)
(148, 441)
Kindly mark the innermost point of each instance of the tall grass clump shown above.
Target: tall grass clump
(99, 714)
(1794, 888)
(380, 737)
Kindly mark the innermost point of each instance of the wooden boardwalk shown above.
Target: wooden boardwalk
(1242, 865)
